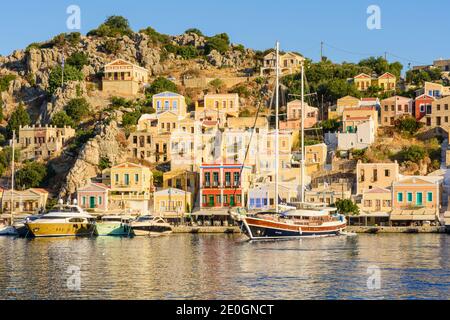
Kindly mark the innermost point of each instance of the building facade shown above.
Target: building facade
(43, 143)
(123, 78)
(94, 196)
(224, 185)
(394, 108)
(371, 175)
(170, 102)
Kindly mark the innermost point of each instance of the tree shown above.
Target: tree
(330, 125)
(77, 109)
(131, 118)
(155, 37)
(161, 84)
(31, 175)
(1, 110)
(61, 119)
(408, 125)
(158, 178)
(413, 153)
(113, 26)
(217, 84)
(220, 43)
(5, 81)
(194, 30)
(55, 78)
(112, 46)
(347, 207)
(78, 60)
(19, 117)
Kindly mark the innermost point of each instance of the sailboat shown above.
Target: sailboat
(291, 222)
(7, 229)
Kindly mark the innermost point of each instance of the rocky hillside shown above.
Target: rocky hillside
(28, 78)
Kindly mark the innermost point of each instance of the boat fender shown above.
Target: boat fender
(300, 231)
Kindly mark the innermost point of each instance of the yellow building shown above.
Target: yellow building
(172, 203)
(376, 200)
(386, 82)
(371, 175)
(26, 201)
(43, 143)
(169, 101)
(245, 123)
(289, 63)
(131, 186)
(227, 103)
(182, 180)
(315, 157)
(436, 90)
(123, 78)
(347, 102)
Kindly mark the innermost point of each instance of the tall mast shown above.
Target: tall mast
(277, 106)
(303, 135)
(12, 176)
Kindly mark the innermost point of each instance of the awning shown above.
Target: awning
(210, 213)
(372, 215)
(407, 217)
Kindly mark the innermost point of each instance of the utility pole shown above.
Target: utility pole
(385, 55)
(321, 51)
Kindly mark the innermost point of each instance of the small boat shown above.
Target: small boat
(114, 226)
(150, 226)
(7, 230)
(63, 221)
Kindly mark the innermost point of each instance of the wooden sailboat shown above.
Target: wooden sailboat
(291, 222)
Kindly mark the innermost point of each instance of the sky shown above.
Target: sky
(412, 31)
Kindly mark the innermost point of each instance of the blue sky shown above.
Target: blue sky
(416, 31)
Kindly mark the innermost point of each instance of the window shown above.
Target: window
(216, 179)
(100, 201)
(387, 173)
(409, 197)
(430, 196)
(175, 105)
(225, 199)
(227, 179)
(84, 201)
(116, 177)
(218, 199)
(127, 179)
(236, 179)
(207, 179)
(158, 105)
(422, 108)
(400, 197)
(136, 178)
(166, 105)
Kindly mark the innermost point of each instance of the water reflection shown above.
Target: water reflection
(226, 267)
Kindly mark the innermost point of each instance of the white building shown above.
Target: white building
(359, 136)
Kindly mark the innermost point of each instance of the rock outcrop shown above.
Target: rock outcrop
(108, 144)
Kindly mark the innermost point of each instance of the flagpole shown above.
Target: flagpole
(12, 176)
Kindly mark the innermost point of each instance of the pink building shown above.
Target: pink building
(93, 196)
(294, 115)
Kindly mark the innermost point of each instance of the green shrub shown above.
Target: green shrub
(104, 163)
(347, 207)
(113, 26)
(119, 102)
(63, 39)
(220, 43)
(111, 46)
(194, 30)
(78, 60)
(155, 37)
(5, 81)
(242, 91)
(19, 117)
(413, 153)
(408, 125)
(161, 84)
(31, 175)
(77, 109)
(61, 119)
(70, 74)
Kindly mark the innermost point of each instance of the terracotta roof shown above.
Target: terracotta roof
(39, 190)
(378, 190)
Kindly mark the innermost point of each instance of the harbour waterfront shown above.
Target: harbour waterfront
(183, 266)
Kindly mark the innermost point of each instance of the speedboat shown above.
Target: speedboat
(63, 221)
(150, 226)
(292, 224)
(21, 227)
(114, 226)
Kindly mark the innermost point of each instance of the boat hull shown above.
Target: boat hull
(40, 230)
(113, 229)
(8, 231)
(259, 229)
(152, 231)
